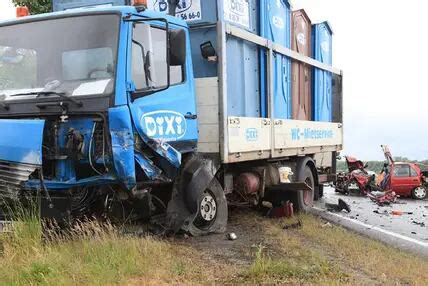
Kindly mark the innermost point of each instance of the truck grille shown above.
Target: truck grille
(14, 174)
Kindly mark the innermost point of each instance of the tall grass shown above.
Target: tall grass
(89, 253)
(310, 269)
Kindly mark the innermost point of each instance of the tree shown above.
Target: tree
(35, 6)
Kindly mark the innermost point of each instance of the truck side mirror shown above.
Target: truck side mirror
(177, 40)
(207, 50)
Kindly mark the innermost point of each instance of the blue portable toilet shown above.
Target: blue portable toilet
(322, 35)
(243, 84)
(275, 25)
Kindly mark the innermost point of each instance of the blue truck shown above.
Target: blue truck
(161, 110)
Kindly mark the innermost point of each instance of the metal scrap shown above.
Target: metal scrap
(421, 224)
(340, 206)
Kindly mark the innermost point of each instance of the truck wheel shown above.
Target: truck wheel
(198, 204)
(319, 192)
(305, 199)
(211, 215)
(419, 193)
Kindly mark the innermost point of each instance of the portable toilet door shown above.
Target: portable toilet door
(275, 25)
(301, 32)
(322, 35)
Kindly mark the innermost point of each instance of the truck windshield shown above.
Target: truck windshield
(74, 55)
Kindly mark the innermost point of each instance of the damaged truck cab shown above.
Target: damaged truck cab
(100, 111)
(95, 105)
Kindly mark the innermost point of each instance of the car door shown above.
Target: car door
(402, 180)
(162, 108)
(416, 179)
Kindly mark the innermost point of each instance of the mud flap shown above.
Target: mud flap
(197, 175)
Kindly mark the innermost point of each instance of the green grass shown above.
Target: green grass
(307, 269)
(92, 253)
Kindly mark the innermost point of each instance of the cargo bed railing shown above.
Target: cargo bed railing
(274, 47)
(225, 29)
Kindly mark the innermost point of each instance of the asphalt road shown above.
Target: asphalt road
(407, 231)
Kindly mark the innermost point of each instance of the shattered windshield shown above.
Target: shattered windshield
(75, 56)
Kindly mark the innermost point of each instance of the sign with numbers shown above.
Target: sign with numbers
(187, 10)
(237, 12)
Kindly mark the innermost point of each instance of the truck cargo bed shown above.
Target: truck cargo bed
(246, 138)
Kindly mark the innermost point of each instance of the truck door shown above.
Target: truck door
(404, 179)
(163, 104)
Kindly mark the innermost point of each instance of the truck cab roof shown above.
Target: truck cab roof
(123, 10)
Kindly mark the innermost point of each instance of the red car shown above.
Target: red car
(407, 180)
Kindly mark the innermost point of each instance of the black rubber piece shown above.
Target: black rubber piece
(196, 176)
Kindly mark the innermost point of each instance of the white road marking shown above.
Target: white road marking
(372, 227)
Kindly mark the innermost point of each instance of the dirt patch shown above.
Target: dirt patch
(315, 248)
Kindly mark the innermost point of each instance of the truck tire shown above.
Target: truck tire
(319, 192)
(212, 213)
(305, 199)
(198, 205)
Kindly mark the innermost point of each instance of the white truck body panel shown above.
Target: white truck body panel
(252, 138)
(208, 114)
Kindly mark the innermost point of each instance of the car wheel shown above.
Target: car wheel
(419, 193)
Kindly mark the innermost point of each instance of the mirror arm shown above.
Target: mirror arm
(143, 55)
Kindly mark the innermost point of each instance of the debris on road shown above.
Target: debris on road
(327, 224)
(232, 236)
(385, 212)
(421, 224)
(397, 213)
(298, 224)
(382, 198)
(401, 213)
(379, 217)
(340, 206)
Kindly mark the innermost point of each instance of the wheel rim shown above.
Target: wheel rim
(207, 211)
(420, 192)
(208, 207)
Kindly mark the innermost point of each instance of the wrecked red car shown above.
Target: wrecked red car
(355, 180)
(403, 179)
(408, 180)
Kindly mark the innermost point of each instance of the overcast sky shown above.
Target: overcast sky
(380, 46)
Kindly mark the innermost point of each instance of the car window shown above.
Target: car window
(413, 173)
(151, 41)
(401, 171)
